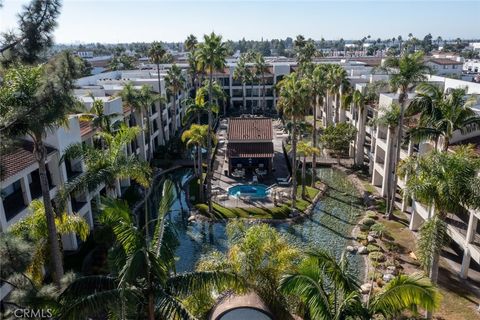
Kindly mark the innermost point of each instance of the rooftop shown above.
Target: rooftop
(444, 61)
(18, 159)
(250, 129)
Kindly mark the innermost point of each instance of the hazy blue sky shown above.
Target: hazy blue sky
(128, 20)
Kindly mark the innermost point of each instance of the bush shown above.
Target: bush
(362, 236)
(363, 227)
(373, 248)
(371, 215)
(377, 256)
(368, 222)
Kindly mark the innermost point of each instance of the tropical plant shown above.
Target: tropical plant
(259, 255)
(33, 228)
(190, 43)
(306, 150)
(446, 182)
(34, 100)
(261, 68)
(337, 138)
(441, 114)
(242, 73)
(330, 291)
(175, 82)
(389, 118)
(406, 72)
(196, 137)
(211, 56)
(317, 83)
(145, 285)
(338, 84)
(98, 117)
(106, 166)
(157, 55)
(305, 50)
(293, 101)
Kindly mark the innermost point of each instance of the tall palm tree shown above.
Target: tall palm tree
(211, 56)
(338, 82)
(157, 55)
(445, 182)
(441, 114)
(293, 101)
(330, 292)
(33, 101)
(261, 68)
(145, 284)
(317, 81)
(108, 165)
(242, 73)
(406, 72)
(175, 81)
(34, 228)
(196, 107)
(306, 150)
(389, 118)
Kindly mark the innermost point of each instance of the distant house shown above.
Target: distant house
(445, 66)
(250, 144)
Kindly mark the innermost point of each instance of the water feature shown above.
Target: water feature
(329, 227)
(258, 191)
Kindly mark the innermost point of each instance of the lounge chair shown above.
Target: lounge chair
(284, 181)
(254, 179)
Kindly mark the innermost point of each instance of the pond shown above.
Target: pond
(329, 227)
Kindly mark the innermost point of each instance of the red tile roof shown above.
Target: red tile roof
(250, 129)
(444, 61)
(86, 128)
(250, 150)
(18, 159)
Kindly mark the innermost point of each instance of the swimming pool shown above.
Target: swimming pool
(249, 190)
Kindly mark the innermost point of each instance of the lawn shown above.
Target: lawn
(278, 212)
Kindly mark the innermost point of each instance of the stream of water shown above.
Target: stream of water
(329, 226)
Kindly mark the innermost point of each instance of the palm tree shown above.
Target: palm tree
(34, 101)
(441, 114)
(242, 73)
(338, 82)
(389, 118)
(196, 107)
(145, 284)
(261, 68)
(330, 292)
(157, 55)
(445, 182)
(97, 116)
(317, 81)
(34, 229)
(306, 150)
(211, 56)
(108, 165)
(191, 43)
(406, 72)
(293, 101)
(175, 81)
(197, 136)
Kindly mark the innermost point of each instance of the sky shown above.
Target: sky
(118, 21)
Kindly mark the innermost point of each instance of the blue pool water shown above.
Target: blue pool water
(248, 190)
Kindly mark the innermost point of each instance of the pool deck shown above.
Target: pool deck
(221, 183)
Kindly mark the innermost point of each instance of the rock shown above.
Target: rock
(351, 249)
(388, 277)
(191, 218)
(373, 234)
(392, 270)
(365, 288)
(370, 239)
(362, 250)
(372, 208)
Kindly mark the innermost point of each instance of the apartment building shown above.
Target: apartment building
(463, 227)
(446, 67)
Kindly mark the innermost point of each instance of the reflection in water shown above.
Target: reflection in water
(329, 226)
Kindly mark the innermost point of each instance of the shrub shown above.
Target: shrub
(379, 229)
(364, 227)
(368, 222)
(371, 214)
(373, 248)
(377, 256)
(362, 236)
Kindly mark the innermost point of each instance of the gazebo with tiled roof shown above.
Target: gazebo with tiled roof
(250, 143)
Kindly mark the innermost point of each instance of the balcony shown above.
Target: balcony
(35, 185)
(77, 205)
(73, 171)
(14, 204)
